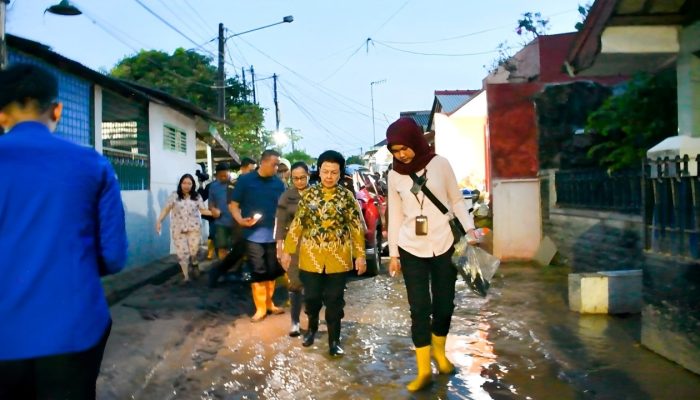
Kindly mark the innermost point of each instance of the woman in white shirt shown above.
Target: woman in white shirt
(420, 241)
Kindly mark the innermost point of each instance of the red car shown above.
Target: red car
(371, 197)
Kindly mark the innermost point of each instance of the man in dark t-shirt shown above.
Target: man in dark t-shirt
(253, 205)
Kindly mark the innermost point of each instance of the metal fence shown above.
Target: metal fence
(597, 189)
(132, 169)
(672, 206)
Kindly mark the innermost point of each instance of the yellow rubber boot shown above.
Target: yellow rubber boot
(210, 249)
(425, 373)
(259, 290)
(271, 307)
(444, 365)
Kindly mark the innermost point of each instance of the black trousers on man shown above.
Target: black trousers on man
(65, 376)
(324, 289)
(423, 277)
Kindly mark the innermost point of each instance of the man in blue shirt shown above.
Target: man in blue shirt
(58, 236)
(253, 205)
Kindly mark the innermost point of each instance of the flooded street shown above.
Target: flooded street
(178, 342)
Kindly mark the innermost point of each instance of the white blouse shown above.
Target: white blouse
(404, 208)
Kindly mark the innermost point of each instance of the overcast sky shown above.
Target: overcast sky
(324, 60)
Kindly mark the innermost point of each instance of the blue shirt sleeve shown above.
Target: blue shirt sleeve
(112, 250)
(239, 190)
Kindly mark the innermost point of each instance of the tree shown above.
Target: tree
(192, 76)
(354, 160)
(583, 11)
(299, 155)
(532, 24)
(628, 124)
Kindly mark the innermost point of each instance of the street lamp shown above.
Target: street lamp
(64, 7)
(221, 102)
(371, 93)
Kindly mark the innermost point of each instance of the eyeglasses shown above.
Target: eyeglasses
(300, 178)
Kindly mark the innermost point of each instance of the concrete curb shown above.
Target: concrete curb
(117, 287)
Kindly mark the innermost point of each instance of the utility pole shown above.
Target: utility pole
(252, 79)
(245, 86)
(3, 43)
(277, 108)
(221, 107)
(293, 137)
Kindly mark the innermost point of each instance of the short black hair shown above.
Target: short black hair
(246, 161)
(269, 153)
(331, 156)
(23, 83)
(300, 164)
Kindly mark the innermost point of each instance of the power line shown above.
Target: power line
(293, 99)
(171, 26)
(471, 33)
(182, 20)
(344, 63)
(391, 17)
(439, 54)
(205, 23)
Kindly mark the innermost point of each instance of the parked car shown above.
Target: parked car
(371, 197)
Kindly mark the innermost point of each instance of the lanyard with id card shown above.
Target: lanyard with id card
(421, 220)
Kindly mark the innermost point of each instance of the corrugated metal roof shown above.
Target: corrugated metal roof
(452, 102)
(421, 117)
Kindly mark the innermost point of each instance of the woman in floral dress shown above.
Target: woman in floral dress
(186, 208)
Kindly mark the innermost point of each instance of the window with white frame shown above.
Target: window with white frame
(174, 139)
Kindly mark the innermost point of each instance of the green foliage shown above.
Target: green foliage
(299, 155)
(532, 24)
(354, 160)
(192, 76)
(245, 135)
(583, 11)
(628, 124)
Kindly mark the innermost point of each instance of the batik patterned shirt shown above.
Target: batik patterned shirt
(329, 230)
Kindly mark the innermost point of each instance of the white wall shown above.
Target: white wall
(144, 206)
(460, 138)
(517, 221)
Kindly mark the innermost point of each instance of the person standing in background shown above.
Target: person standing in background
(186, 208)
(57, 238)
(286, 208)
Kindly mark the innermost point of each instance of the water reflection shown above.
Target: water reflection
(520, 342)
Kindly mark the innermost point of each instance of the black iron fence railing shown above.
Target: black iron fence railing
(672, 206)
(619, 191)
(132, 169)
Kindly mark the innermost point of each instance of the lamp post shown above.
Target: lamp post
(221, 100)
(3, 44)
(371, 93)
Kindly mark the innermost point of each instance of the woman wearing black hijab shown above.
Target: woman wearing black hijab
(420, 241)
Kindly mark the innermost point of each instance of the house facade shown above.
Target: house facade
(150, 138)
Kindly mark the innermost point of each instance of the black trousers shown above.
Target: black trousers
(262, 258)
(425, 277)
(65, 376)
(325, 289)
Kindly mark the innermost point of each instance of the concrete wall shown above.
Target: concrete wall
(144, 206)
(591, 241)
(516, 218)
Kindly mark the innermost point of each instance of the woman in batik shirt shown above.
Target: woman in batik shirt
(328, 228)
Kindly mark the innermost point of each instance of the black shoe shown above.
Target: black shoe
(335, 350)
(309, 338)
(214, 275)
